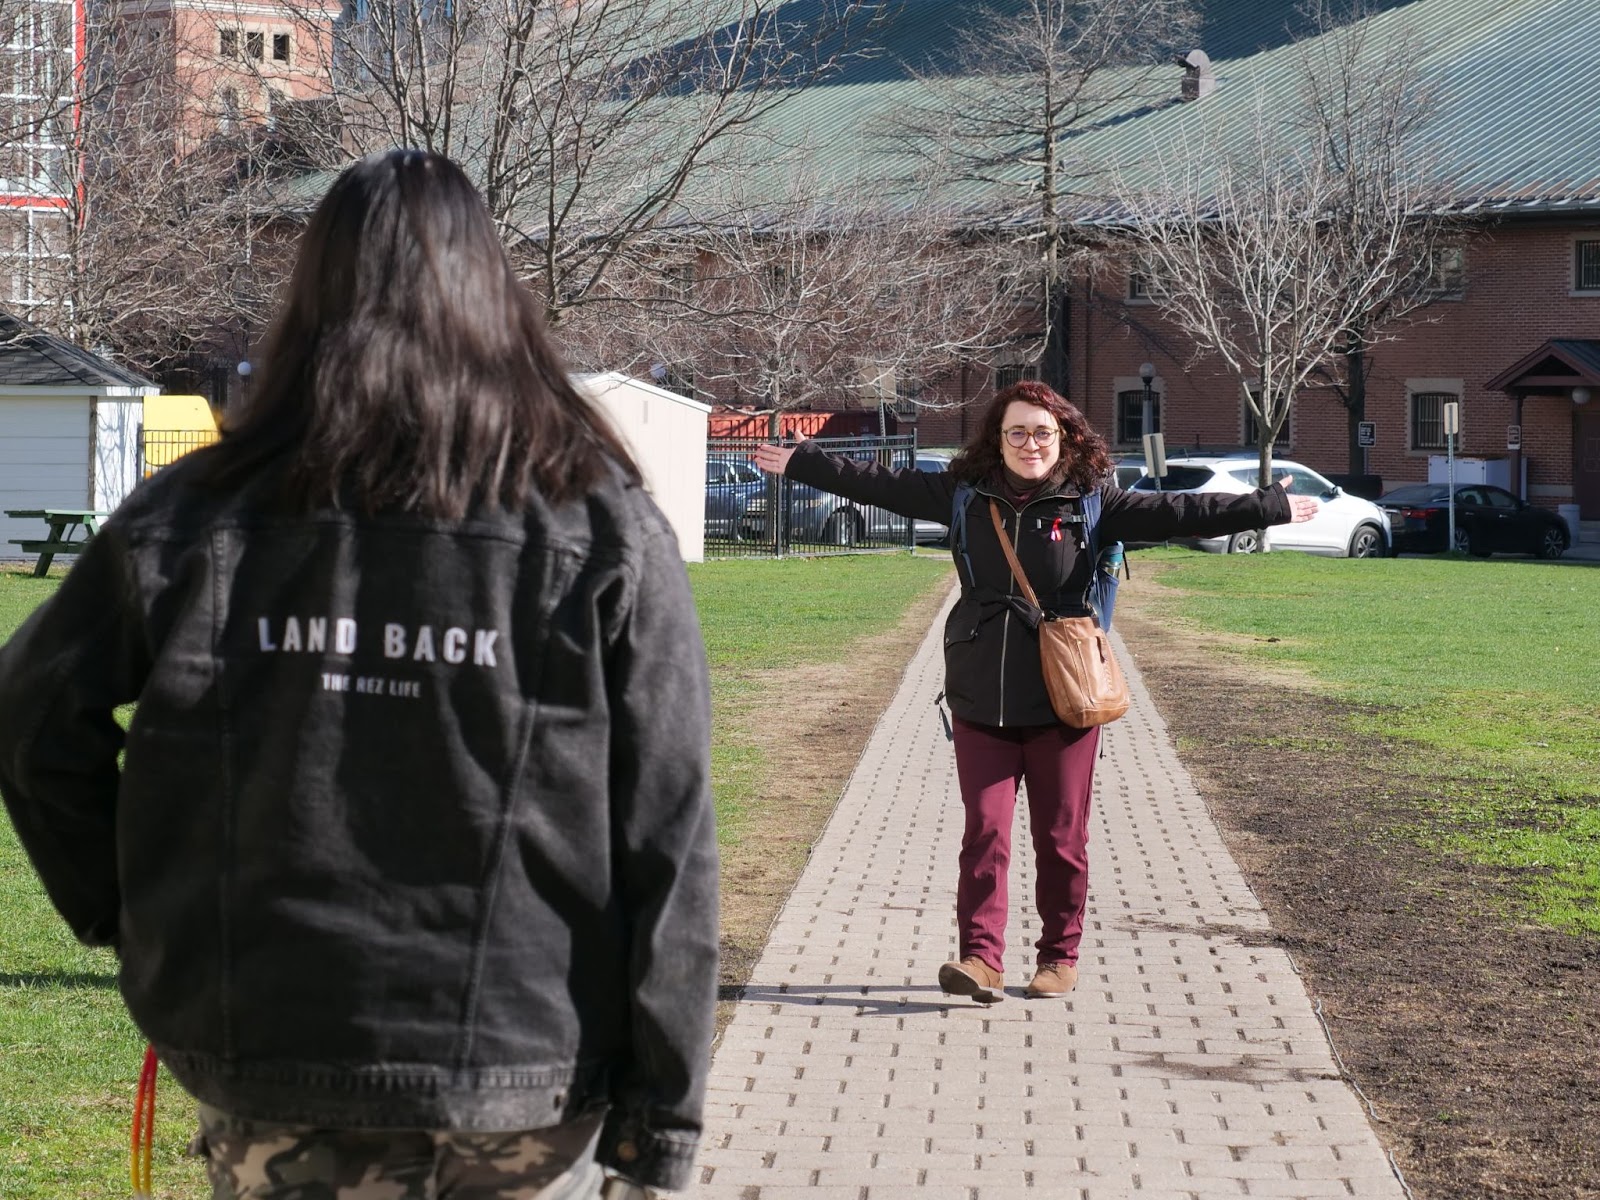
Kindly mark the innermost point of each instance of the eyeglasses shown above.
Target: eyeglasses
(1042, 436)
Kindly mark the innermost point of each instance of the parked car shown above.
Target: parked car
(1130, 469)
(826, 519)
(1345, 526)
(731, 481)
(932, 531)
(813, 516)
(1489, 520)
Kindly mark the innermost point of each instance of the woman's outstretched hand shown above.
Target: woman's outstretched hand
(1301, 508)
(773, 459)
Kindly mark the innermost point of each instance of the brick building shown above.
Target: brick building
(233, 63)
(39, 58)
(1515, 338)
(1507, 336)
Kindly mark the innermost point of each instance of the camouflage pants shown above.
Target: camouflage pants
(260, 1160)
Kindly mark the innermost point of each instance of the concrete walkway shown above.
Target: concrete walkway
(1188, 1064)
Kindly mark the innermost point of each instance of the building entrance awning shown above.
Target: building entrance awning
(1558, 366)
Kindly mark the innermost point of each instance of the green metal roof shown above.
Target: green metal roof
(1513, 124)
(1515, 120)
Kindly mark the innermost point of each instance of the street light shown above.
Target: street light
(244, 368)
(1147, 372)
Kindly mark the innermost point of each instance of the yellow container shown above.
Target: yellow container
(173, 426)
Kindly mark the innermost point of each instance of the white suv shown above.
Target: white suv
(1345, 525)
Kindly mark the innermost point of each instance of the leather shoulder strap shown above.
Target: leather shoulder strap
(1011, 554)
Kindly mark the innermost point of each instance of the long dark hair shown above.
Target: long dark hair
(1085, 460)
(408, 368)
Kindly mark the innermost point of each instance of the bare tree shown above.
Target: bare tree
(1272, 245)
(864, 298)
(1366, 100)
(1004, 113)
(139, 240)
(585, 123)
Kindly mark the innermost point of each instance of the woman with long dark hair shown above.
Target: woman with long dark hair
(410, 866)
(1033, 458)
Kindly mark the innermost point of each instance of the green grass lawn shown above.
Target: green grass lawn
(758, 615)
(1486, 674)
(71, 1057)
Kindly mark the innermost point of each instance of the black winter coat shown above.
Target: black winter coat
(991, 656)
(414, 828)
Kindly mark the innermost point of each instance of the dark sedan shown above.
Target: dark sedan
(731, 482)
(1489, 520)
(819, 517)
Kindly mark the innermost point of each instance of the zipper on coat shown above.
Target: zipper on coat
(1005, 629)
(1005, 636)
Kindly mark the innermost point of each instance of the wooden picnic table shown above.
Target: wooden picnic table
(63, 522)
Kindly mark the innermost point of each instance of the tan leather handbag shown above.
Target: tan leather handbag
(1081, 674)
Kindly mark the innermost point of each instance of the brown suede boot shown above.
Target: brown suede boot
(972, 977)
(1052, 981)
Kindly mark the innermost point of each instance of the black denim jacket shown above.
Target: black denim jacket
(414, 827)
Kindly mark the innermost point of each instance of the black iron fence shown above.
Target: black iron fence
(158, 447)
(751, 514)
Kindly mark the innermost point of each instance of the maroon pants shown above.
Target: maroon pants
(1058, 764)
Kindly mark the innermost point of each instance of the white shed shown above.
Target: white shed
(69, 428)
(666, 433)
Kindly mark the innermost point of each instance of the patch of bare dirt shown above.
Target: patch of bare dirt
(1476, 1038)
(811, 724)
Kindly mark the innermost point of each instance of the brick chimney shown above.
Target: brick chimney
(1199, 81)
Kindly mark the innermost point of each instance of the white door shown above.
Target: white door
(44, 461)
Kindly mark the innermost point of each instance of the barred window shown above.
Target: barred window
(1130, 415)
(907, 393)
(1145, 281)
(679, 378)
(1427, 419)
(1012, 373)
(1252, 427)
(1586, 267)
(1447, 272)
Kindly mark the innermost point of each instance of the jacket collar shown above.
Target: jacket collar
(994, 490)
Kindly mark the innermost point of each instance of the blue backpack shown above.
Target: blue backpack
(1101, 598)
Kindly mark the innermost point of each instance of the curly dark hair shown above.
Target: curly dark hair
(1085, 460)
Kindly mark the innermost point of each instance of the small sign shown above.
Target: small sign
(1366, 433)
(1452, 418)
(1155, 456)
(1513, 437)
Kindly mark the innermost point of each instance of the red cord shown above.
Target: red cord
(144, 1125)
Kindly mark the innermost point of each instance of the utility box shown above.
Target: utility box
(1493, 471)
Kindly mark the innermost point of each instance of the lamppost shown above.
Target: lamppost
(1147, 373)
(1154, 461)
(244, 368)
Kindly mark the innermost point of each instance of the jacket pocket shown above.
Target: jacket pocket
(963, 655)
(961, 627)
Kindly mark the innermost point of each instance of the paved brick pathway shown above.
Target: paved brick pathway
(1187, 1064)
